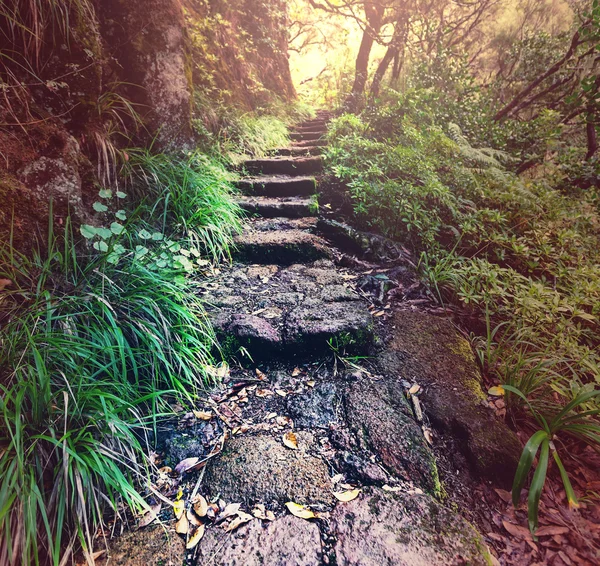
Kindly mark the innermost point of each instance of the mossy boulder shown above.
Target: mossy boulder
(429, 350)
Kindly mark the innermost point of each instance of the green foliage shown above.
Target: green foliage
(566, 421)
(520, 251)
(92, 341)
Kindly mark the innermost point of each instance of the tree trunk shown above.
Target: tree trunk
(374, 14)
(592, 139)
(381, 70)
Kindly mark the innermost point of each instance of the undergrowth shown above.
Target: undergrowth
(98, 341)
(519, 251)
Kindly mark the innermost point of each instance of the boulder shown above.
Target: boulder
(403, 529)
(430, 351)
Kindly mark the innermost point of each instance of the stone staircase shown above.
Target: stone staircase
(284, 295)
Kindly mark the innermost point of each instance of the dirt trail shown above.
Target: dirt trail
(348, 401)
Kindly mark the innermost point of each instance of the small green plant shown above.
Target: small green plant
(566, 421)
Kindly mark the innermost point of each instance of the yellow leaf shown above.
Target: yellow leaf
(196, 537)
(301, 511)
(200, 506)
(290, 440)
(296, 372)
(497, 391)
(311, 383)
(183, 525)
(179, 508)
(346, 496)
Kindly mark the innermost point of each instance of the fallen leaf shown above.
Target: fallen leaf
(414, 389)
(165, 470)
(517, 531)
(186, 465)
(193, 518)
(183, 525)
(196, 537)
(290, 440)
(296, 372)
(378, 313)
(428, 435)
(229, 511)
(179, 508)
(5, 283)
(261, 376)
(239, 520)
(270, 416)
(301, 511)
(311, 383)
(497, 391)
(504, 495)
(203, 415)
(337, 478)
(263, 393)
(551, 530)
(150, 516)
(200, 506)
(281, 392)
(393, 489)
(346, 496)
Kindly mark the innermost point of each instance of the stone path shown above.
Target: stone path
(292, 315)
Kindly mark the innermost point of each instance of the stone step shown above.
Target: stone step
(285, 165)
(311, 128)
(306, 136)
(289, 207)
(281, 246)
(294, 310)
(303, 144)
(277, 186)
(307, 150)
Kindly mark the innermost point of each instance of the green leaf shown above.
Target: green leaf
(140, 251)
(144, 234)
(101, 246)
(496, 391)
(527, 456)
(121, 194)
(569, 491)
(117, 228)
(537, 484)
(88, 231)
(121, 215)
(99, 207)
(157, 236)
(105, 193)
(113, 258)
(104, 233)
(119, 249)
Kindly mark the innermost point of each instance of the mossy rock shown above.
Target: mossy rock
(430, 350)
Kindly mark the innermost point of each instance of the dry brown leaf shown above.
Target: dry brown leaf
(5, 283)
(186, 465)
(281, 392)
(200, 506)
(393, 489)
(346, 496)
(261, 376)
(551, 530)
(263, 393)
(150, 516)
(203, 415)
(428, 435)
(195, 538)
(311, 383)
(290, 440)
(193, 518)
(296, 372)
(229, 511)
(301, 511)
(414, 389)
(183, 525)
(504, 495)
(270, 416)
(517, 531)
(378, 313)
(239, 520)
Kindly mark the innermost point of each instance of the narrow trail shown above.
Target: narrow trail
(306, 421)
